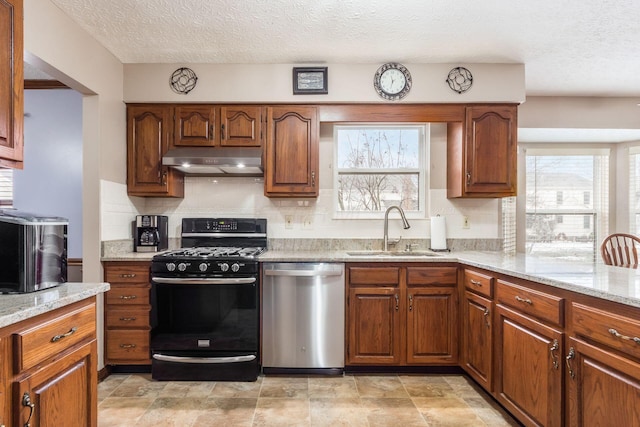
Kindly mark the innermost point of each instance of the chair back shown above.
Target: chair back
(621, 250)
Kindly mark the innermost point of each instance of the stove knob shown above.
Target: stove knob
(203, 267)
(182, 266)
(235, 267)
(224, 267)
(171, 266)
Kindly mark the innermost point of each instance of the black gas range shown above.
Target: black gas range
(205, 302)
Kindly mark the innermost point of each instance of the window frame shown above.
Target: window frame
(422, 170)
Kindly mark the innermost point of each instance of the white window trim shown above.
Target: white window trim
(422, 170)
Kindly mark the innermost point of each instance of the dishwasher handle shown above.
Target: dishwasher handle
(303, 273)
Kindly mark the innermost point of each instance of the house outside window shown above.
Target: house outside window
(634, 190)
(379, 165)
(567, 198)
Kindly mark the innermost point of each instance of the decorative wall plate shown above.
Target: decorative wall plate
(183, 80)
(460, 79)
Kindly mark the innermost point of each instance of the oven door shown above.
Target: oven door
(205, 329)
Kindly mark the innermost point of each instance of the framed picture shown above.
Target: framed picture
(310, 81)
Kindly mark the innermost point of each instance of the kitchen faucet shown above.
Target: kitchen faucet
(405, 224)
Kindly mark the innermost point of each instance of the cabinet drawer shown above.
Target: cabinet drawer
(123, 345)
(377, 276)
(417, 276)
(538, 304)
(48, 338)
(478, 283)
(127, 318)
(607, 328)
(138, 273)
(128, 295)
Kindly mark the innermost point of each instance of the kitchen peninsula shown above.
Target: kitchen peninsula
(49, 356)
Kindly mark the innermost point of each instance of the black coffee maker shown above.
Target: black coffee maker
(150, 233)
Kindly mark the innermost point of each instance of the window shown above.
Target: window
(6, 187)
(378, 166)
(567, 198)
(634, 190)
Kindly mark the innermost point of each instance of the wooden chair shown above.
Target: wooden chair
(620, 249)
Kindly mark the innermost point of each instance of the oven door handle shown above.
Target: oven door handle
(203, 280)
(187, 359)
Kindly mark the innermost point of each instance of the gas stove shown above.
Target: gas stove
(213, 252)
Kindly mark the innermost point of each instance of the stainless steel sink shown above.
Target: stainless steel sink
(392, 254)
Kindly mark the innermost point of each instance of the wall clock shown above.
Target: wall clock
(392, 81)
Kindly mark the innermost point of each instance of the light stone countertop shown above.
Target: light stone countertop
(595, 279)
(17, 307)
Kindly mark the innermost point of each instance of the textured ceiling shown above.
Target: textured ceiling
(569, 47)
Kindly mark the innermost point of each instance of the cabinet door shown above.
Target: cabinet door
(149, 131)
(529, 370)
(374, 331)
(194, 126)
(604, 388)
(291, 152)
(63, 393)
(491, 138)
(477, 354)
(241, 126)
(431, 325)
(11, 84)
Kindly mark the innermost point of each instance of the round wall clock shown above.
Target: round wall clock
(392, 81)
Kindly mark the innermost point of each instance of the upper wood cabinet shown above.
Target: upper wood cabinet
(11, 84)
(291, 152)
(209, 125)
(481, 153)
(149, 130)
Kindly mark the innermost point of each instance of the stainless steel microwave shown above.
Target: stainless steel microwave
(33, 250)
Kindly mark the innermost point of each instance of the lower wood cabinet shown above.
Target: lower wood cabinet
(529, 368)
(126, 313)
(477, 340)
(401, 315)
(48, 374)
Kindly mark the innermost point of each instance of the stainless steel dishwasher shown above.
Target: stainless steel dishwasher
(303, 318)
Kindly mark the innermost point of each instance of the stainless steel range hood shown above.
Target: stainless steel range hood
(245, 161)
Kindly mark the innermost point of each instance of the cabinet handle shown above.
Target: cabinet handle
(164, 178)
(524, 300)
(410, 302)
(210, 131)
(128, 276)
(128, 296)
(476, 283)
(128, 319)
(468, 178)
(571, 355)
(554, 357)
(127, 346)
(26, 402)
(397, 302)
(222, 136)
(486, 317)
(313, 178)
(624, 337)
(57, 338)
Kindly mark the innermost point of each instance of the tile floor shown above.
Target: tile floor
(351, 400)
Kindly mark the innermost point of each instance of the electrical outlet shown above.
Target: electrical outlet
(307, 222)
(288, 221)
(465, 222)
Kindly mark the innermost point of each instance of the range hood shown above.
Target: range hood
(245, 161)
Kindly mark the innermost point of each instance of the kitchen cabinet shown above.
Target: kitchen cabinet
(49, 368)
(11, 84)
(149, 132)
(291, 152)
(126, 313)
(399, 315)
(477, 327)
(529, 349)
(210, 125)
(481, 153)
(603, 368)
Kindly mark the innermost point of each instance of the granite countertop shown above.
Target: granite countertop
(595, 279)
(17, 307)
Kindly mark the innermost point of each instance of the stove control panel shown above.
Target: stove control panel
(204, 268)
